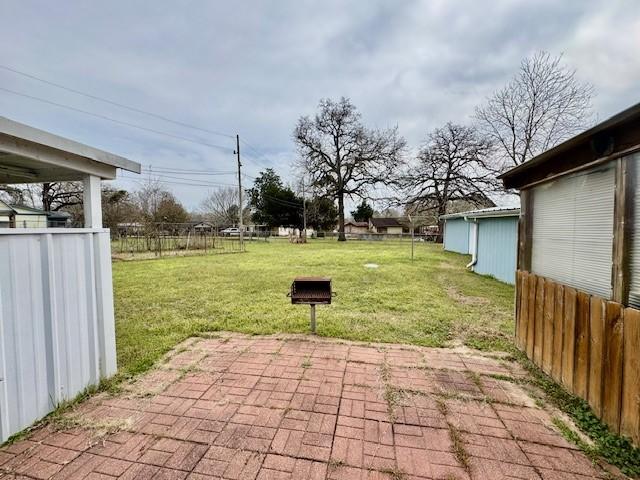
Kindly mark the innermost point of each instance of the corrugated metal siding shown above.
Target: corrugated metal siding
(54, 320)
(456, 235)
(634, 290)
(573, 230)
(497, 248)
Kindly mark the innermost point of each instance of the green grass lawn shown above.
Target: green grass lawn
(431, 301)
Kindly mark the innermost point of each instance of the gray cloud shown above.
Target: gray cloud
(255, 67)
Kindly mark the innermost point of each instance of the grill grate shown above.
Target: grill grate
(311, 290)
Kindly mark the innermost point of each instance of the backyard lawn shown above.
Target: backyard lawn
(432, 301)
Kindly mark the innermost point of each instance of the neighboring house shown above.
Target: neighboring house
(353, 227)
(202, 227)
(27, 217)
(57, 329)
(7, 216)
(58, 219)
(20, 216)
(129, 228)
(578, 288)
(387, 225)
(489, 235)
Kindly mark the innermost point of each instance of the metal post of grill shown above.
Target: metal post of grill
(311, 291)
(313, 318)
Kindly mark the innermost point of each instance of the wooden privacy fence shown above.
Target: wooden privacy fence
(588, 344)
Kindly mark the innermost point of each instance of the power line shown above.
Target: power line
(117, 104)
(203, 182)
(162, 175)
(195, 183)
(258, 154)
(251, 147)
(173, 182)
(179, 171)
(287, 203)
(104, 117)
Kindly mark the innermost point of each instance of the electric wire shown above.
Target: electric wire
(117, 104)
(121, 122)
(257, 153)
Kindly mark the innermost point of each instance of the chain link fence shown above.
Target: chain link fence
(140, 241)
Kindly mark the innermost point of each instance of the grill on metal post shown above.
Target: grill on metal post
(311, 291)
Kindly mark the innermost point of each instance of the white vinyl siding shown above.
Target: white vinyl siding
(573, 230)
(634, 290)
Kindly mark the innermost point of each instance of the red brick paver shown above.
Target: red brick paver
(293, 407)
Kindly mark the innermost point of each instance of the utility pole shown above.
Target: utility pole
(304, 211)
(412, 235)
(240, 226)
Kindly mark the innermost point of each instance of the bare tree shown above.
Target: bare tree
(59, 195)
(540, 107)
(50, 196)
(453, 165)
(342, 157)
(148, 198)
(157, 205)
(221, 206)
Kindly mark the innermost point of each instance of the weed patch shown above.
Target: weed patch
(614, 449)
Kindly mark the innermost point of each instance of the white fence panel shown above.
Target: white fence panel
(56, 320)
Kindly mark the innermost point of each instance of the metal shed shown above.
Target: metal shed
(456, 234)
(57, 332)
(490, 235)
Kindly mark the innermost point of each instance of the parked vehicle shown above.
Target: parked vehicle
(231, 232)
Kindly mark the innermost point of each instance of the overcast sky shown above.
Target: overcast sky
(253, 68)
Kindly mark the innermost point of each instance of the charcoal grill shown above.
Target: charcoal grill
(311, 291)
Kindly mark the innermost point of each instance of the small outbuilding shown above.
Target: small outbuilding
(57, 330)
(353, 227)
(386, 225)
(489, 235)
(578, 285)
(21, 216)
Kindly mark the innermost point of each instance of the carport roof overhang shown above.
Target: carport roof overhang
(30, 155)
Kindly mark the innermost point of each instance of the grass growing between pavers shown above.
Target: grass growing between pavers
(431, 301)
(613, 448)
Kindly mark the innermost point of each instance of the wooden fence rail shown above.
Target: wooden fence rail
(588, 344)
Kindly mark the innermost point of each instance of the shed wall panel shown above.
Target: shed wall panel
(52, 343)
(456, 235)
(497, 248)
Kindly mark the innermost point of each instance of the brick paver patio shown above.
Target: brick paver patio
(293, 407)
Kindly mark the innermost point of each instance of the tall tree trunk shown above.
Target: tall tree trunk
(46, 199)
(442, 210)
(341, 235)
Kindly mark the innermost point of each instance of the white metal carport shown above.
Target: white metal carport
(57, 333)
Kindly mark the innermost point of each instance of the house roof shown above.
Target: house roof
(492, 212)
(5, 208)
(357, 224)
(29, 155)
(616, 136)
(24, 210)
(386, 222)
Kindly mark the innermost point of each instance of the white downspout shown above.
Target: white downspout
(474, 252)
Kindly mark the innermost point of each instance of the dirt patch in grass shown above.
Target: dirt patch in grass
(459, 297)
